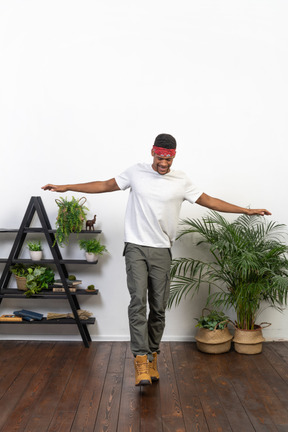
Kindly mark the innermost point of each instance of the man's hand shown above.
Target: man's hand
(55, 188)
(261, 212)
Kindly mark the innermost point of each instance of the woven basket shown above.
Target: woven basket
(248, 341)
(213, 341)
(21, 283)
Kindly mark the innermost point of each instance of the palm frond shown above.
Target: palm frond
(187, 276)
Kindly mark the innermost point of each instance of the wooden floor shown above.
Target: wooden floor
(63, 386)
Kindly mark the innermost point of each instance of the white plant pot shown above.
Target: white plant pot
(91, 257)
(36, 255)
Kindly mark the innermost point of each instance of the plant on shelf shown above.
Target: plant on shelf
(20, 272)
(36, 278)
(247, 269)
(34, 245)
(93, 248)
(70, 218)
(35, 249)
(90, 288)
(213, 335)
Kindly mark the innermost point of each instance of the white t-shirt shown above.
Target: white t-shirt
(154, 204)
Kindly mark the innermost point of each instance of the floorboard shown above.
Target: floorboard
(65, 387)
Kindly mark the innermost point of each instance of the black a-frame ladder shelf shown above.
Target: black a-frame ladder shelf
(36, 206)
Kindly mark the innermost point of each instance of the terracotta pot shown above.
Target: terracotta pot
(248, 341)
(213, 341)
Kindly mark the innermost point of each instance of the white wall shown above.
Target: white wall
(86, 87)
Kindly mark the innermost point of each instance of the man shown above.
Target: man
(156, 195)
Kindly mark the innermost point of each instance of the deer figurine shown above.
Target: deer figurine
(90, 223)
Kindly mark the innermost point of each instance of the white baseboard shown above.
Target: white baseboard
(76, 338)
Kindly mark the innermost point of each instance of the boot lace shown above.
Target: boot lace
(142, 368)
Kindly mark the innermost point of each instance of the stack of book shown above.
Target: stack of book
(28, 315)
(72, 284)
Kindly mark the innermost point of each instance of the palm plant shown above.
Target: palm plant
(248, 266)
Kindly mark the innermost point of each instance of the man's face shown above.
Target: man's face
(161, 164)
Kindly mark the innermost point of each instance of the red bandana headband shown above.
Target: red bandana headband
(163, 152)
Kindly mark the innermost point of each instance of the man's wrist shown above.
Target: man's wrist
(247, 211)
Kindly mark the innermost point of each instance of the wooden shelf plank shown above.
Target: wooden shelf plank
(48, 261)
(61, 261)
(40, 230)
(45, 294)
(52, 321)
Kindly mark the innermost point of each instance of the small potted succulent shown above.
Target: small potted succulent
(91, 288)
(35, 250)
(93, 248)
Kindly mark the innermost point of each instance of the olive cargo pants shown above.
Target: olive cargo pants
(148, 272)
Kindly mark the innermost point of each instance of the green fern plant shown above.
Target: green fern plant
(34, 245)
(247, 269)
(70, 218)
(92, 246)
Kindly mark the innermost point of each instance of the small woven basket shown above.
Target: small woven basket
(21, 283)
(213, 341)
(248, 341)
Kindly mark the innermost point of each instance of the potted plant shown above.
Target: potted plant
(20, 272)
(93, 248)
(213, 335)
(32, 279)
(38, 278)
(247, 269)
(91, 288)
(70, 218)
(35, 250)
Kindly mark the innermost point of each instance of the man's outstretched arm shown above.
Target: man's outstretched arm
(91, 187)
(222, 206)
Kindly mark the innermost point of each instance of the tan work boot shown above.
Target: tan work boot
(142, 376)
(153, 371)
